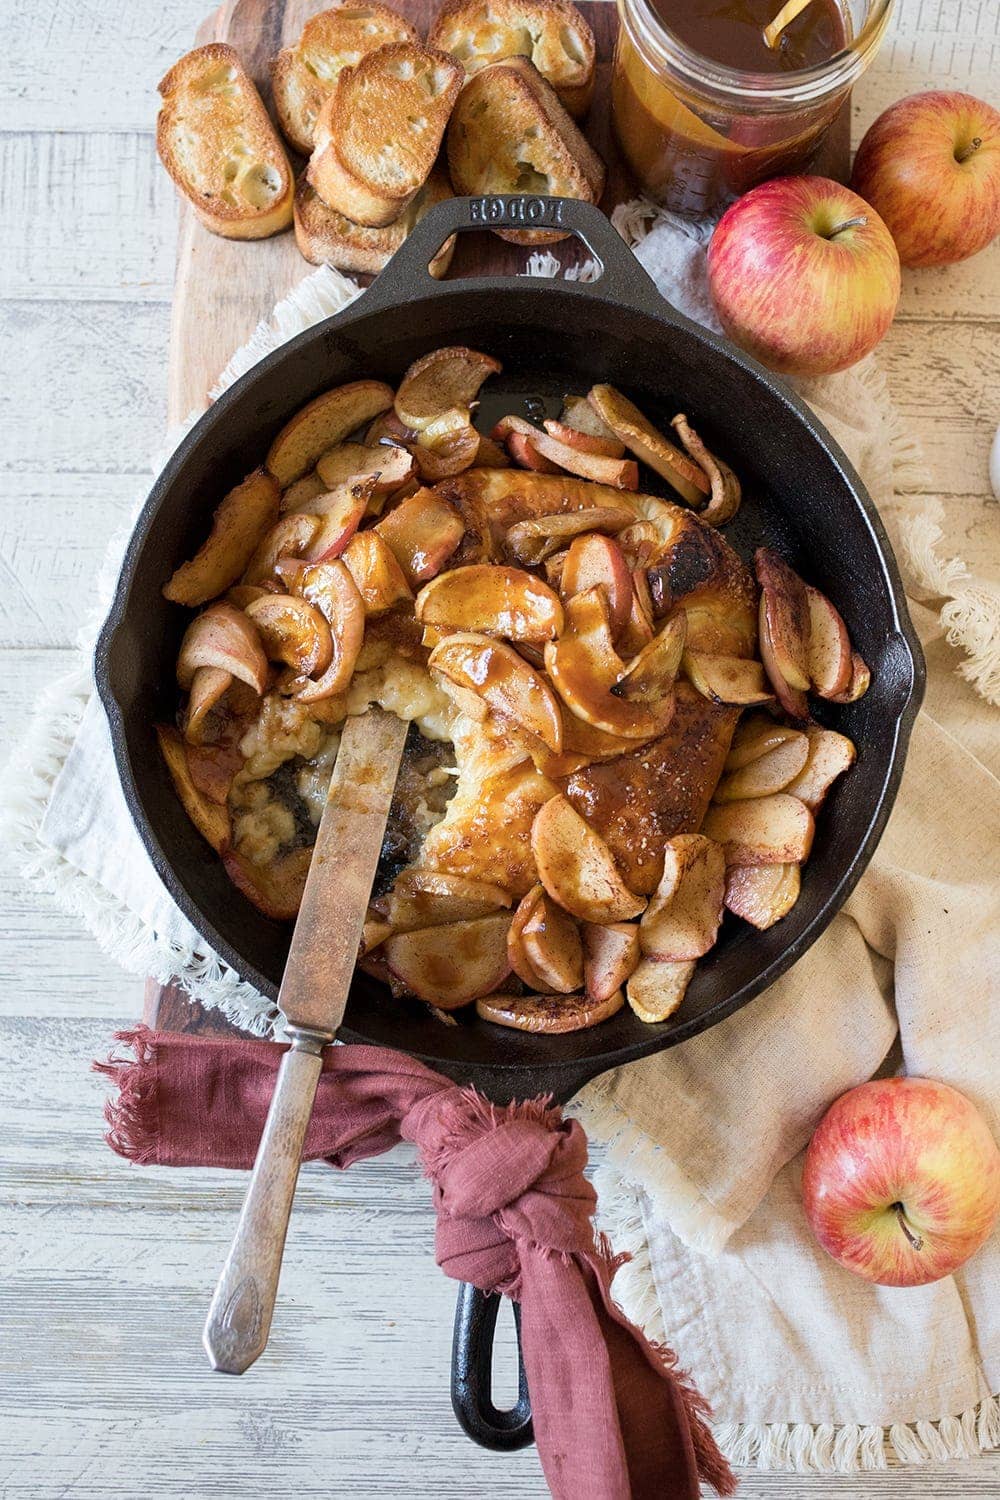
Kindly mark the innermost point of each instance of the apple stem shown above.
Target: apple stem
(914, 1239)
(965, 152)
(858, 222)
(786, 15)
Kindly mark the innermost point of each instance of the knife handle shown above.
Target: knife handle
(239, 1319)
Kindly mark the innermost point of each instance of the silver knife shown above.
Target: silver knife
(312, 999)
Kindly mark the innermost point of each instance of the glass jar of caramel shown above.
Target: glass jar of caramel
(703, 108)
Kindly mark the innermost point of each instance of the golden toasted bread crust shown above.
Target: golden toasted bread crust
(326, 236)
(303, 75)
(552, 34)
(215, 139)
(379, 131)
(509, 133)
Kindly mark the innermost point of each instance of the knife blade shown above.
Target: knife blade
(312, 998)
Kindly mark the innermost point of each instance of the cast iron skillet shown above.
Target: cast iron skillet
(801, 496)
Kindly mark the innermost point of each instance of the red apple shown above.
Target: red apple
(901, 1182)
(930, 165)
(804, 275)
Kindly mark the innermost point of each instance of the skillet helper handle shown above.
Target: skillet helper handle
(239, 1319)
(407, 277)
(472, 1375)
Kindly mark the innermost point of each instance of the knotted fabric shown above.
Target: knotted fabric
(614, 1420)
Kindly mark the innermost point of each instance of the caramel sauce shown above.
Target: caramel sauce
(694, 157)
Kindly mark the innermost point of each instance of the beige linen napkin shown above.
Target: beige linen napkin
(806, 1365)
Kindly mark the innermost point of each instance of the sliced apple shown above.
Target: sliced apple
(212, 768)
(682, 919)
(793, 700)
(639, 435)
(786, 606)
(237, 527)
(727, 679)
(638, 631)
(526, 456)
(829, 755)
(553, 1015)
(453, 964)
(725, 492)
(388, 429)
(290, 537)
(576, 867)
(491, 455)
(340, 513)
(448, 445)
(209, 686)
(594, 559)
(504, 680)
(292, 631)
(535, 540)
(331, 589)
(658, 986)
(322, 424)
(210, 819)
(242, 594)
(491, 600)
(769, 773)
(619, 473)
(516, 953)
(374, 932)
(223, 637)
(651, 674)
(578, 414)
(380, 580)
(408, 910)
(762, 894)
(829, 647)
(584, 442)
(445, 379)
(610, 955)
(422, 532)
(276, 888)
(774, 830)
(859, 684)
(585, 667)
(755, 735)
(454, 887)
(306, 488)
(390, 467)
(553, 947)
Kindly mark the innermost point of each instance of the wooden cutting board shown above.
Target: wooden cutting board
(223, 288)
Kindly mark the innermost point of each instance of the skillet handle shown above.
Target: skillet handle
(406, 277)
(472, 1375)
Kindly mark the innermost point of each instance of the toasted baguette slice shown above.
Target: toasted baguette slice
(378, 134)
(215, 139)
(509, 134)
(302, 76)
(324, 235)
(550, 33)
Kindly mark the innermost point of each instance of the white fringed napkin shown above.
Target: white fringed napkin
(805, 1365)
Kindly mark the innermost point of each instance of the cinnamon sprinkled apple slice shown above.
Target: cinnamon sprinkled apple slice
(423, 532)
(380, 580)
(591, 560)
(576, 866)
(535, 540)
(504, 680)
(209, 686)
(724, 500)
(829, 755)
(651, 674)
(639, 435)
(620, 473)
(390, 467)
(762, 894)
(551, 1014)
(552, 946)
(585, 667)
(210, 819)
(773, 830)
(491, 600)
(682, 919)
(223, 637)
(772, 772)
(610, 955)
(658, 986)
(786, 606)
(452, 964)
(322, 424)
(331, 589)
(859, 684)
(237, 526)
(829, 647)
(727, 679)
(755, 735)
(445, 380)
(292, 631)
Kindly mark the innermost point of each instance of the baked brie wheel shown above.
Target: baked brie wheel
(611, 738)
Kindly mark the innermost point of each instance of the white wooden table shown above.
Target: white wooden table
(105, 1270)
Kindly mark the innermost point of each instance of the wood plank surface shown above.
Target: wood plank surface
(105, 1270)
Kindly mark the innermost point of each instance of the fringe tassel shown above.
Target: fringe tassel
(131, 1112)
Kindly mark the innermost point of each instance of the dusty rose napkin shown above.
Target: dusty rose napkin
(612, 1416)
